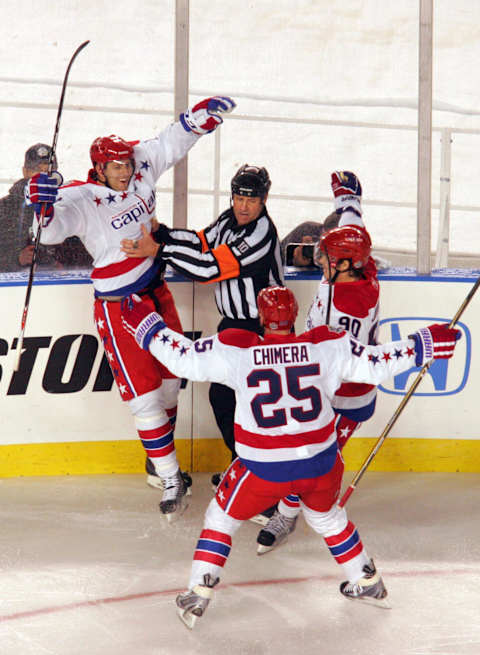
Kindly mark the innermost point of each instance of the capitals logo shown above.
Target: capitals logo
(444, 377)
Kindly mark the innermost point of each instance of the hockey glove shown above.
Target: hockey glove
(139, 321)
(347, 192)
(42, 190)
(162, 234)
(434, 342)
(205, 116)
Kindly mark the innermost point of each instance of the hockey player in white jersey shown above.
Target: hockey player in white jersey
(347, 298)
(117, 198)
(284, 426)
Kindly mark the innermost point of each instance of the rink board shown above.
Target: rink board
(62, 414)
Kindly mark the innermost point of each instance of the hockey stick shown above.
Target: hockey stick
(36, 243)
(401, 406)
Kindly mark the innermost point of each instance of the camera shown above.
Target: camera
(307, 253)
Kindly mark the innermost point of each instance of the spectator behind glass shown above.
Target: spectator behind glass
(307, 232)
(16, 220)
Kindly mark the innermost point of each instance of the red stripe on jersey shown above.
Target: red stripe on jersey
(356, 298)
(353, 389)
(73, 183)
(118, 268)
(239, 338)
(272, 442)
(321, 333)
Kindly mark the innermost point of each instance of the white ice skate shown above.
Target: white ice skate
(174, 501)
(192, 604)
(275, 532)
(369, 589)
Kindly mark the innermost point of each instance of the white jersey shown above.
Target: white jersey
(354, 308)
(102, 217)
(284, 421)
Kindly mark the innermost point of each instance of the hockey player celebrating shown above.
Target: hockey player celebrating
(347, 298)
(284, 426)
(115, 201)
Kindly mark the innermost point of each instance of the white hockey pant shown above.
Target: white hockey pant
(149, 412)
(331, 524)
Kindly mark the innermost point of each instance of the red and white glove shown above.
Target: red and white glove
(205, 116)
(436, 341)
(43, 190)
(139, 320)
(347, 192)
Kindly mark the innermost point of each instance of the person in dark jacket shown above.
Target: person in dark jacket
(16, 221)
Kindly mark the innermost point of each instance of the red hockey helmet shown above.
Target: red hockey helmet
(346, 242)
(278, 308)
(110, 148)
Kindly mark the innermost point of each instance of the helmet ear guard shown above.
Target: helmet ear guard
(277, 308)
(251, 181)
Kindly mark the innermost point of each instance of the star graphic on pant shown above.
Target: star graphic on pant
(183, 350)
(100, 324)
(109, 355)
(175, 344)
(398, 354)
(165, 338)
(410, 352)
(232, 475)
(386, 356)
(374, 359)
(122, 388)
(344, 432)
(220, 495)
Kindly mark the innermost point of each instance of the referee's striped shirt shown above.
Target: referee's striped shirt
(241, 259)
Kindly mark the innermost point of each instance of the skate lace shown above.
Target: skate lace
(353, 588)
(279, 524)
(173, 487)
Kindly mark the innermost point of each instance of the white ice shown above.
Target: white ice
(89, 566)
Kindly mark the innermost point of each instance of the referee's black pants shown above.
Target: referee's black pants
(222, 398)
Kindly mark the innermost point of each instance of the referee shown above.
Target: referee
(240, 252)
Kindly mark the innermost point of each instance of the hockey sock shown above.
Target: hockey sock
(211, 553)
(289, 506)
(347, 549)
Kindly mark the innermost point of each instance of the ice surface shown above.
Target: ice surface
(88, 565)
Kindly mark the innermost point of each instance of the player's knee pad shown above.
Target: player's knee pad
(168, 392)
(326, 523)
(149, 406)
(217, 519)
